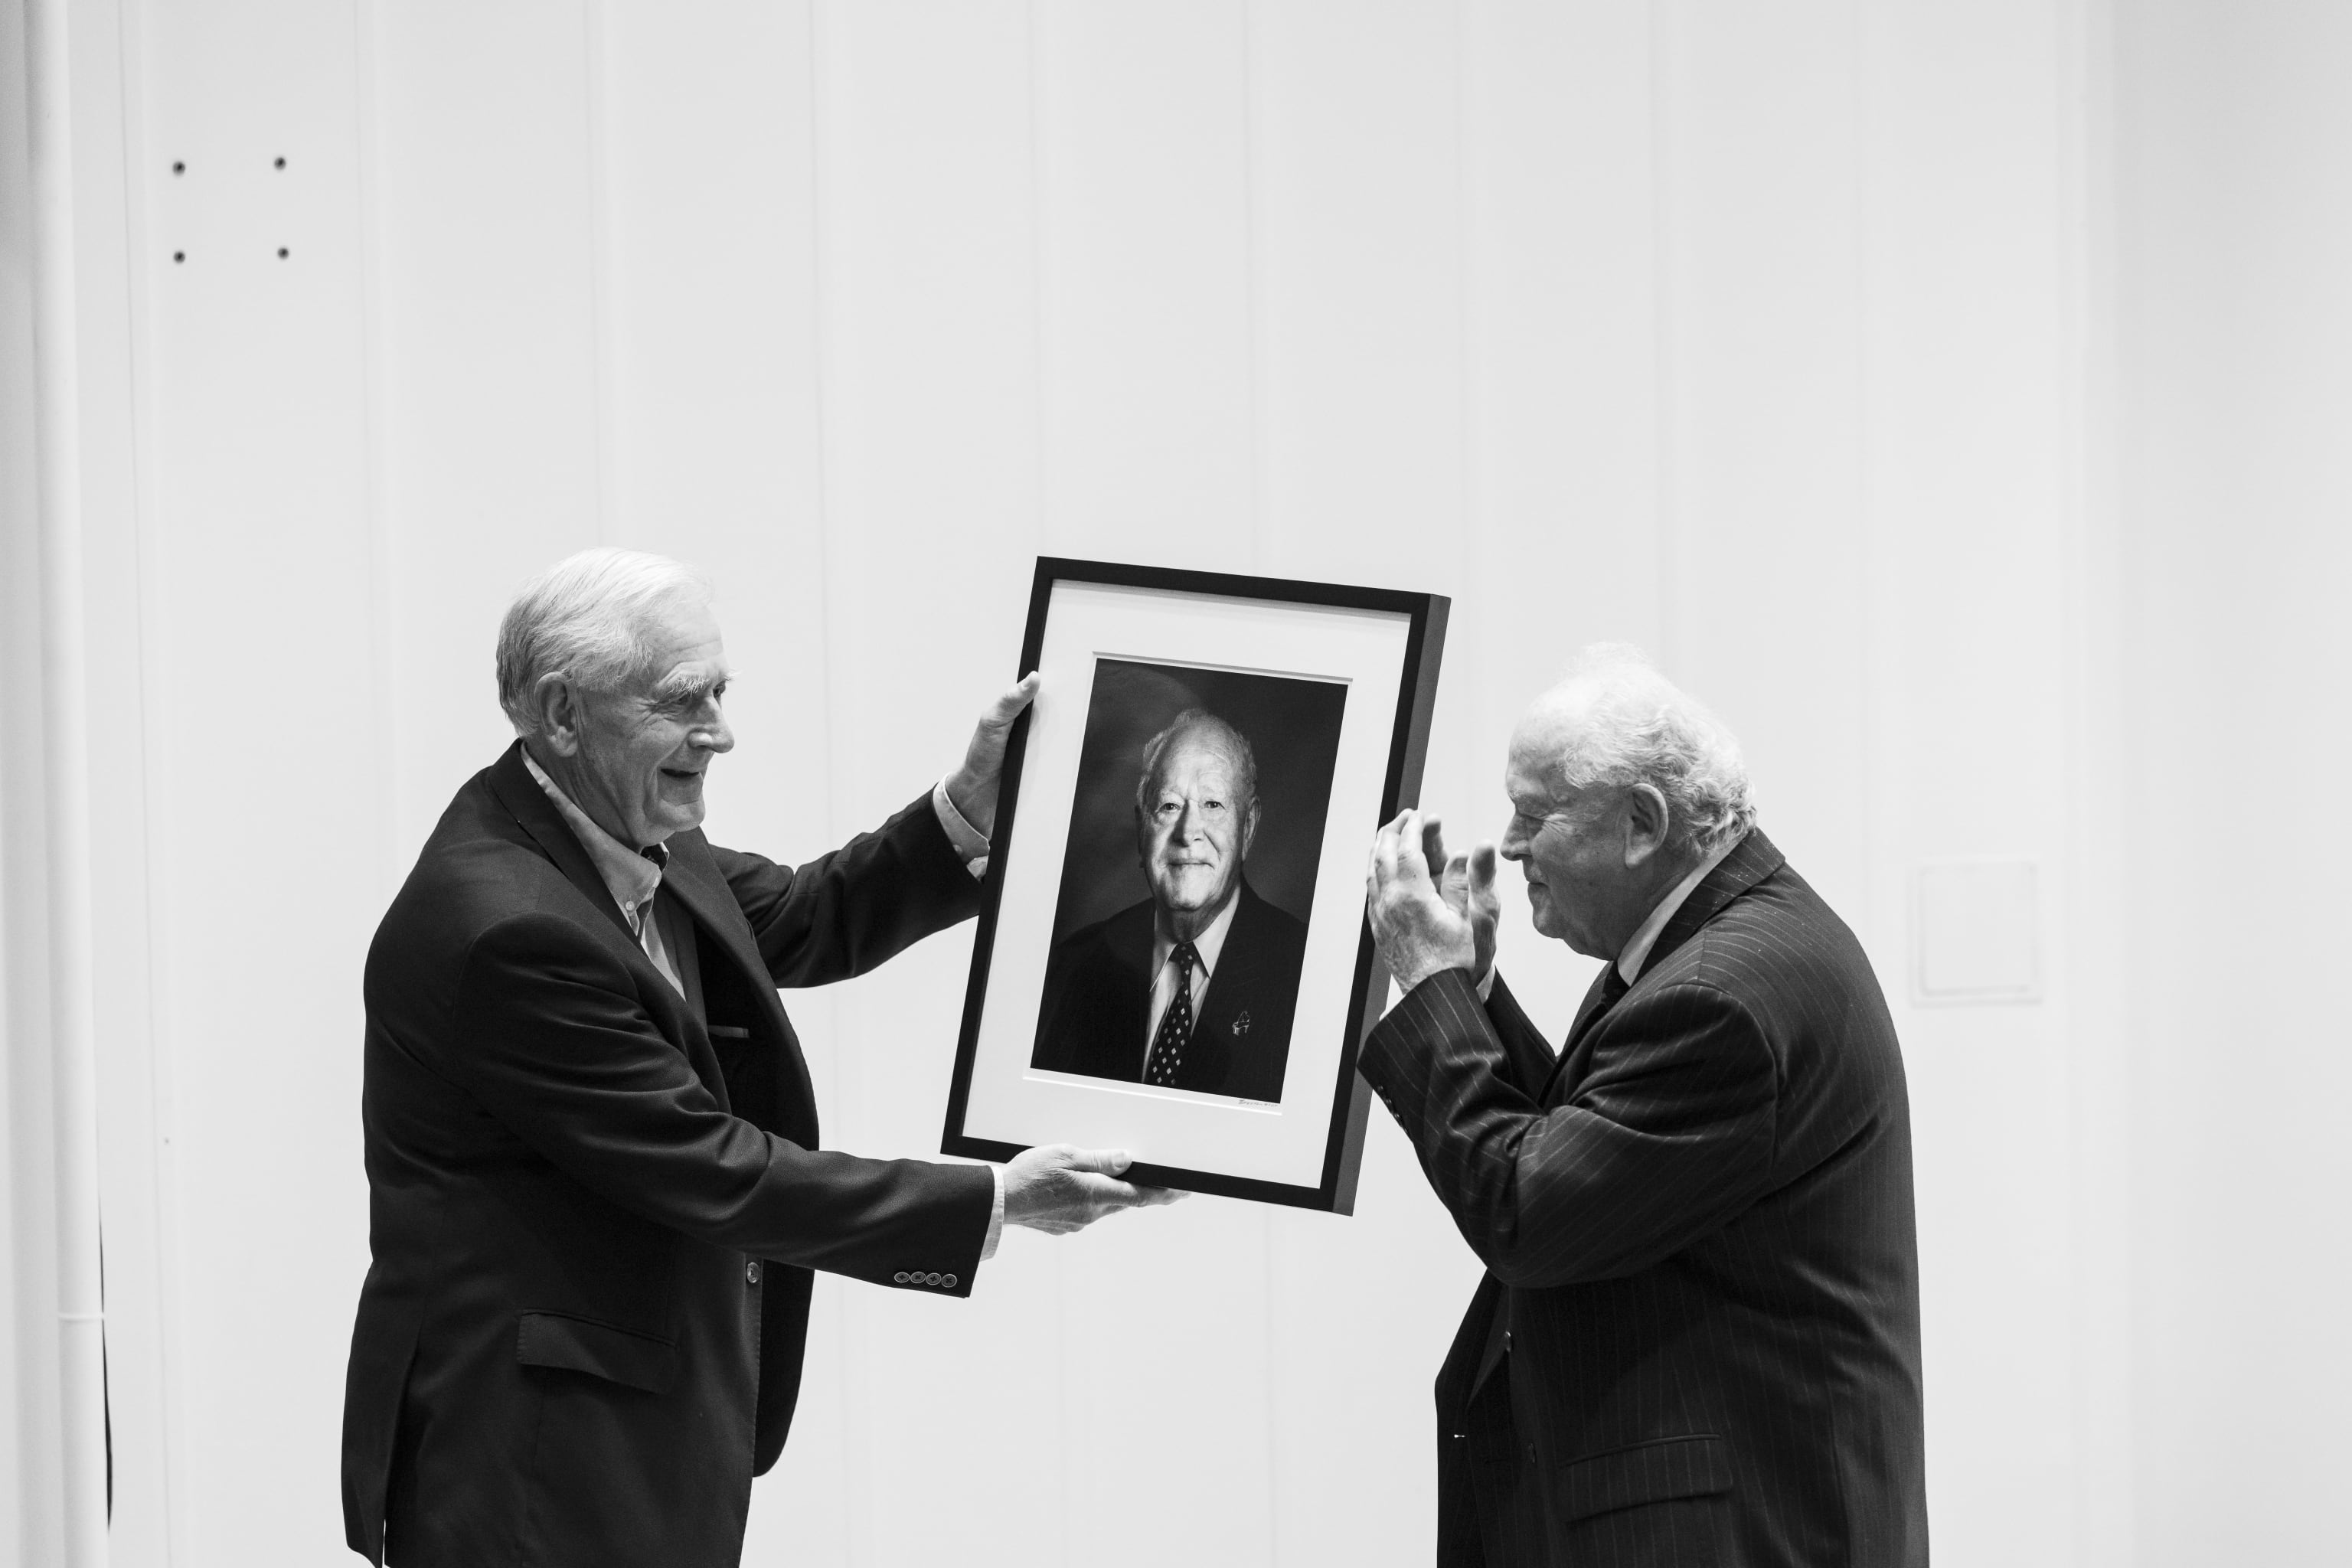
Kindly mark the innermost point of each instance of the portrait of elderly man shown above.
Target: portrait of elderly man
(1698, 1339)
(1193, 987)
(597, 1194)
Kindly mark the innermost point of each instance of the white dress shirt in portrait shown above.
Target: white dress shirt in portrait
(1209, 945)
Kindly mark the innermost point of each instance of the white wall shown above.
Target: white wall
(30, 1479)
(1770, 337)
(2234, 225)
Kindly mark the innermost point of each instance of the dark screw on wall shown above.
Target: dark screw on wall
(281, 253)
(281, 162)
(179, 256)
(178, 167)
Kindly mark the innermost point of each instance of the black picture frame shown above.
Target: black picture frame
(1343, 1116)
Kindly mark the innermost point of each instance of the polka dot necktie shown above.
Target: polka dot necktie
(1176, 1023)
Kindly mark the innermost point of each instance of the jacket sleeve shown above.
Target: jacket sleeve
(552, 1041)
(846, 913)
(1528, 1055)
(1669, 1135)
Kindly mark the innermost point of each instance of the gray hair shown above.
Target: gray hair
(1637, 727)
(1236, 746)
(587, 618)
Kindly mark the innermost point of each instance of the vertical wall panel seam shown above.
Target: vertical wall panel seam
(1869, 777)
(2104, 1519)
(1668, 529)
(81, 1318)
(1040, 248)
(1261, 551)
(857, 1538)
(604, 394)
(147, 598)
(382, 568)
(1470, 664)
(1253, 294)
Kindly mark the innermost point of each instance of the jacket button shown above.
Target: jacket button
(751, 1272)
(901, 1278)
(1506, 1339)
(1531, 1453)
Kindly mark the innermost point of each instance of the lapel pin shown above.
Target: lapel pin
(1241, 1021)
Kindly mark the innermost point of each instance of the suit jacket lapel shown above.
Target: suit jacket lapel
(1239, 964)
(691, 877)
(1131, 941)
(520, 794)
(1574, 1052)
(1755, 859)
(695, 878)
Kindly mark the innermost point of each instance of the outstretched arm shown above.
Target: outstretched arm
(843, 913)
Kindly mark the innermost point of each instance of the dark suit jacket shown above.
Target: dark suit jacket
(596, 1204)
(1697, 1229)
(1098, 1002)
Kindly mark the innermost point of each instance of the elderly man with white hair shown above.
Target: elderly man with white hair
(595, 1188)
(1697, 1341)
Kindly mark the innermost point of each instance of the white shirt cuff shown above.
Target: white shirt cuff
(969, 842)
(995, 1217)
(1487, 985)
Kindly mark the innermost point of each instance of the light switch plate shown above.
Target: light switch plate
(1976, 932)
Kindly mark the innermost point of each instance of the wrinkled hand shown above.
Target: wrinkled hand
(1416, 930)
(1057, 1189)
(1467, 886)
(972, 787)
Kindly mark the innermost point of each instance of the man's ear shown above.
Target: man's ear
(1249, 828)
(557, 708)
(1646, 820)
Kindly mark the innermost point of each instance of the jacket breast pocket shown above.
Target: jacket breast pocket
(601, 1350)
(1656, 1471)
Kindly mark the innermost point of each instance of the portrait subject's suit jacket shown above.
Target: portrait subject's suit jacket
(595, 1202)
(1698, 1343)
(1096, 1010)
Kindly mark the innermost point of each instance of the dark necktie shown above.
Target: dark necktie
(1613, 988)
(1176, 1023)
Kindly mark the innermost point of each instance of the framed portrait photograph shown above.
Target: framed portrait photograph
(1172, 957)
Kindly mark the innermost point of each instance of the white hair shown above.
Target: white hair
(1199, 722)
(1633, 726)
(587, 618)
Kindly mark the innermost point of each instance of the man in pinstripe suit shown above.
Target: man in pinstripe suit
(1697, 1341)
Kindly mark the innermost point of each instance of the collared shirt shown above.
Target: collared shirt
(1636, 951)
(632, 879)
(630, 876)
(1210, 944)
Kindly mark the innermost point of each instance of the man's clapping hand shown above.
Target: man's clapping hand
(1057, 1189)
(1425, 922)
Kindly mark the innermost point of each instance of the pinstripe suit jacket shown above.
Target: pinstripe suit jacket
(1697, 1342)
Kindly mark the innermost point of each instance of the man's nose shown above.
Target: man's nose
(1188, 823)
(1513, 847)
(714, 735)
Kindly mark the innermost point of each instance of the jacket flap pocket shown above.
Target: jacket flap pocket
(1645, 1472)
(579, 1344)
